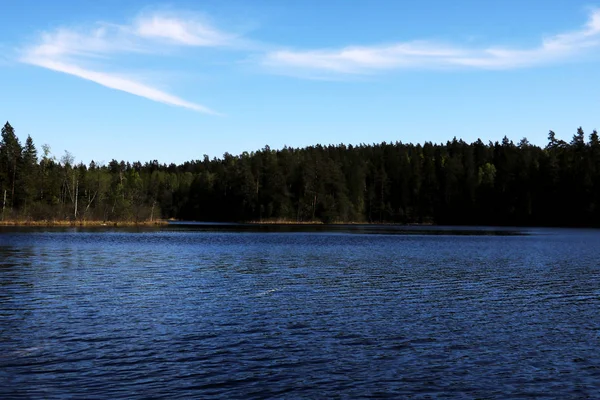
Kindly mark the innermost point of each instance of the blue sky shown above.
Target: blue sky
(137, 80)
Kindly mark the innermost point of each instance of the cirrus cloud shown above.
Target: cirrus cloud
(86, 52)
(76, 51)
(430, 55)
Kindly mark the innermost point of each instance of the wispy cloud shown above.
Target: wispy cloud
(182, 32)
(425, 54)
(93, 53)
(120, 83)
(77, 51)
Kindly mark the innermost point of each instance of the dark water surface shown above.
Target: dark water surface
(342, 312)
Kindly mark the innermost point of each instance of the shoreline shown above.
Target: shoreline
(82, 223)
(292, 222)
(163, 222)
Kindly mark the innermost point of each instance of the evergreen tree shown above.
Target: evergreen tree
(10, 160)
(29, 169)
(453, 183)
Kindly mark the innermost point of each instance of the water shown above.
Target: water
(343, 312)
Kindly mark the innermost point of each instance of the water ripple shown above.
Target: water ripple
(182, 313)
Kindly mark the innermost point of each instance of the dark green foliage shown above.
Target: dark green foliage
(500, 183)
(10, 165)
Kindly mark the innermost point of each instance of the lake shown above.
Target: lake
(236, 311)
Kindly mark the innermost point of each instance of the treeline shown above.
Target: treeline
(499, 183)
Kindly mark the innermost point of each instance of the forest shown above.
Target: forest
(498, 183)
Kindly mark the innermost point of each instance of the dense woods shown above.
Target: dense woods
(499, 183)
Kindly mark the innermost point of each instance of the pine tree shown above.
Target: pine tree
(10, 159)
(29, 172)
